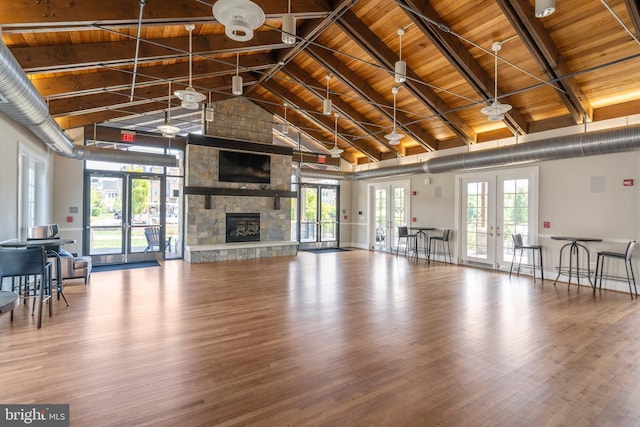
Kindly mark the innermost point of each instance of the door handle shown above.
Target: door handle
(498, 231)
(491, 231)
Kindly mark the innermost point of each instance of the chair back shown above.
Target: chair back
(445, 234)
(403, 232)
(153, 236)
(43, 232)
(517, 241)
(22, 262)
(629, 252)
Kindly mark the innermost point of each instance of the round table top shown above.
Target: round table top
(577, 239)
(421, 228)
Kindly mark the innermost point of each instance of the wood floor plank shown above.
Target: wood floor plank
(350, 338)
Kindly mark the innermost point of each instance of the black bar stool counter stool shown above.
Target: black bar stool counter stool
(519, 245)
(411, 241)
(625, 256)
(444, 244)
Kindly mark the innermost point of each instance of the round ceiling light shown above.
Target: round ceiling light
(239, 17)
(190, 98)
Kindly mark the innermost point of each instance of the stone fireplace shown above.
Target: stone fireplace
(228, 221)
(242, 227)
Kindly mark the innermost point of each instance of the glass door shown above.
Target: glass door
(318, 215)
(308, 214)
(126, 217)
(390, 207)
(493, 207)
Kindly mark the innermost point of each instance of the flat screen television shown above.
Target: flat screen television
(238, 166)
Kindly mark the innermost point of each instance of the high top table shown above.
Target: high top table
(45, 243)
(423, 233)
(574, 255)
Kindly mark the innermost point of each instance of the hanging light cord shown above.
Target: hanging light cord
(237, 63)
(169, 103)
(335, 132)
(190, 55)
(495, 70)
(328, 78)
(395, 91)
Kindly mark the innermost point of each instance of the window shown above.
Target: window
(31, 190)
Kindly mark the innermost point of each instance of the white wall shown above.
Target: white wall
(68, 190)
(13, 137)
(566, 200)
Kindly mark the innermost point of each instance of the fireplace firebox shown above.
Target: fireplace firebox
(243, 227)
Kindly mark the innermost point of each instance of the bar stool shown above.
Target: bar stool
(517, 244)
(411, 241)
(626, 257)
(444, 242)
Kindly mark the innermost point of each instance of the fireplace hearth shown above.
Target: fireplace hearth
(242, 227)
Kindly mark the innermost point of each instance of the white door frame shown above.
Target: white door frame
(371, 226)
(532, 173)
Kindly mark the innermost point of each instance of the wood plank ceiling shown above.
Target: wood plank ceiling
(580, 63)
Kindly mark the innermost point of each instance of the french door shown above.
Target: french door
(318, 215)
(491, 207)
(390, 206)
(126, 217)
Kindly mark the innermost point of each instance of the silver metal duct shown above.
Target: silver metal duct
(564, 147)
(20, 101)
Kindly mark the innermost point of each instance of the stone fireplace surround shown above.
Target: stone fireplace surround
(208, 201)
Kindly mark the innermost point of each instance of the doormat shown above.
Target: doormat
(325, 250)
(112, 267)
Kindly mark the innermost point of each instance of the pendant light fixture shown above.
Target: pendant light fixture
(289, 27)
(495, 112)
(545, 8)
(236, 81)
(335, 151)
(326, 104)
(209, 111)
(285, 125)
(394, 137)
(189, 97)
(400, 75)
(168, 130)
(239, 17)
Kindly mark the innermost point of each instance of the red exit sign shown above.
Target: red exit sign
(127, 136)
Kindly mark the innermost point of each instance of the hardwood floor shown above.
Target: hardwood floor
(333, 339)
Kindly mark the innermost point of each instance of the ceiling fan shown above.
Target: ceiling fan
(190, 98)
(496, 110)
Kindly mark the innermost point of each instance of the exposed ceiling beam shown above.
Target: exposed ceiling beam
(84, 104)
(322, 121)
(345, 108)
(633, 7)
(70, 122)
(311, 136)
(125, 12)
(371, 43)
(349, 78)
(460, 58)
(86, 56)
(116, 79)
(533, 34)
